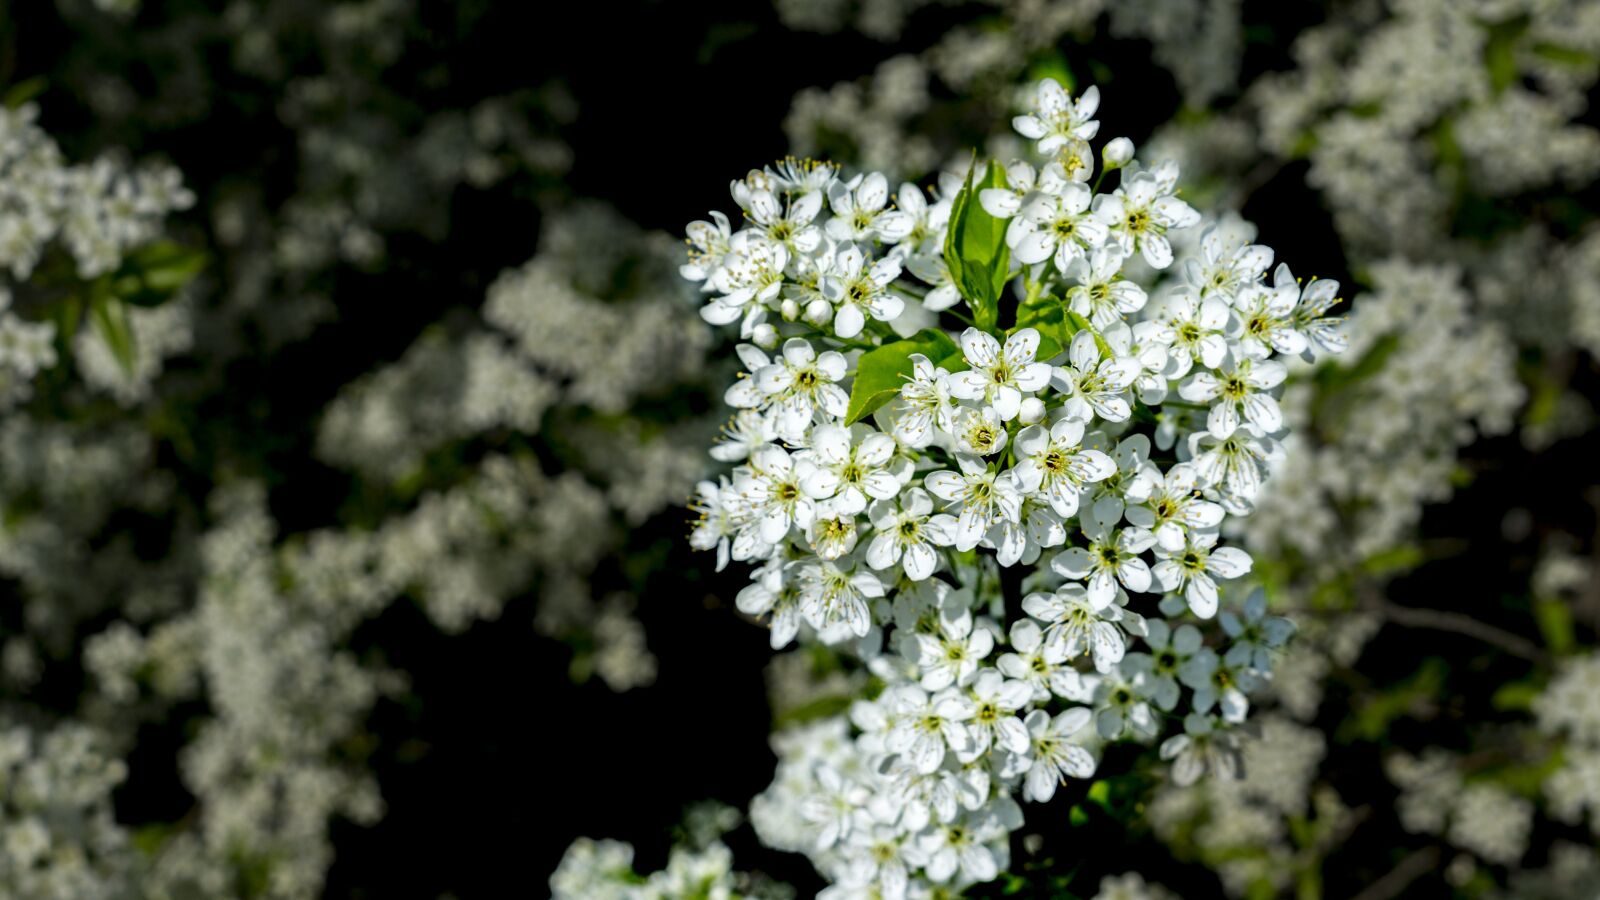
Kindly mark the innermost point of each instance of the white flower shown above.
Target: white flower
(1222, 268)
(1100, 295)
(751, 275)
(925, 726)
(1202, 748)
(1170, 649)
(1132, 482)
(1000, 377)
(849, 475)
(834, 597)
(709, 243)
(919, 224)
(770, 494)
(837, 808)
(859, 290)
(858, 211)
(801, 382)
(1197, 331)
(832, 530)
(980, 431)
(981, 497)
(744, 433)
(906, 534)
(1255, 634)
(1057, 120)
(1055, 757)
(994, 722)
(1174, 508)
(1240, 388)
(1310, 318)
(1035, 662)
(1081, 626)
(1264, 318)
(1142, 211)
(931, 269)
(1058, 226)
(1095, 387)
(1217, 683)
(1194, 568)
(927, 403)
(1053, 465)
(968, 847)
(770, 593)
(953, 654)
(792, 226)
(714, 525)
(1112, 556)
(1122, 704)
(1233, 467)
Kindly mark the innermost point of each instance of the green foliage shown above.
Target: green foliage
(975, 248)
(882, 371)
(152, 274)
(1555, 625)
(23, 91)
(1371, 721)
(110, 317)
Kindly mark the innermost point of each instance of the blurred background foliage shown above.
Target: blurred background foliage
(342, 548)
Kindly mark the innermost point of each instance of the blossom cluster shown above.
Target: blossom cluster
(1096, 446)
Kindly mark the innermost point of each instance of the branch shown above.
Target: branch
(1400, 877)
(1458, 623)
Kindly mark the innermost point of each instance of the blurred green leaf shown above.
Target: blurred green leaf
(23, 91)
(150, 275)
(110, 317)
(1555, 624)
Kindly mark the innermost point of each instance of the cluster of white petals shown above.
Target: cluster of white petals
(1015, 528)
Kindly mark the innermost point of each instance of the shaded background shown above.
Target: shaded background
(494, 759)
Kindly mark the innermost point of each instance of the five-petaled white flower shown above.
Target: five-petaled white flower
(1000, 377)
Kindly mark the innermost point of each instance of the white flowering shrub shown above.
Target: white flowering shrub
(1015, 527)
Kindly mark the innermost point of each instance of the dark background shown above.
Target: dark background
(497, 762)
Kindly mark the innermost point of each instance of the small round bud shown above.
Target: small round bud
(1032, 411)
(1117, 153)
(819, 312)
(765, 336)
(790, 310)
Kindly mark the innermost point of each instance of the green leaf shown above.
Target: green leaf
(1555, 623)
(1044, 314)
(150, 275)
(975, 248)
(1075, 323)
(110, 317)
(881, 372)
(23, 91)
(1516, 695)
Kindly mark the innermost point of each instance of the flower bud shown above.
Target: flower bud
(1032, 411)
(790, 310)
(765, 336)
(1117, 153)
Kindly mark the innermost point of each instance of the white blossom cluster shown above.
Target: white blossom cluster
(58, 836)
(1438, 377)
(1482, 817)
(1569, 709)
(1245, 829)
(97, 212)
(1120, 450)
(699, 865)
(887, 119)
